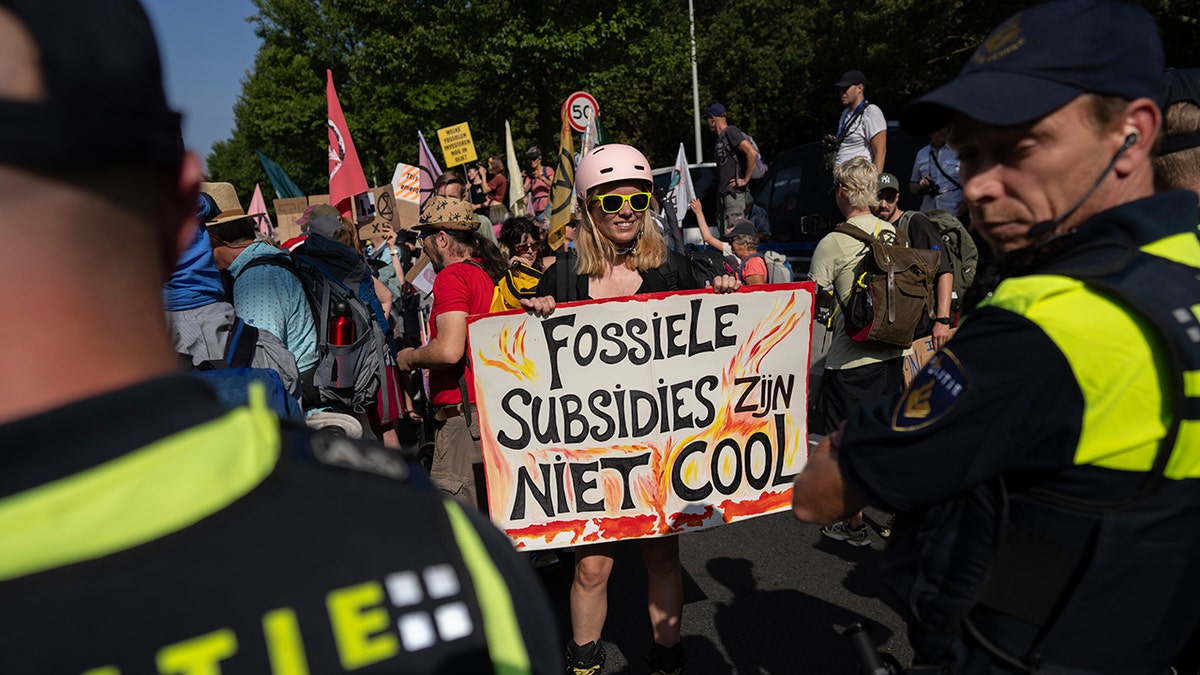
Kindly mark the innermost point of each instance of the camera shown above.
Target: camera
(932, 189)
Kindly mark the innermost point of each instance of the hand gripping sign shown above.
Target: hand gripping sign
(644, 416)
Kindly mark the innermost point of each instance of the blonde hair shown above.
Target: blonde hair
(1179, 170)
(860, 179)
(596, 252)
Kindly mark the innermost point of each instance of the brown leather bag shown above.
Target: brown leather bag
(892, 289)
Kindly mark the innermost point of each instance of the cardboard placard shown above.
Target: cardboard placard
(286, 212)
(644, 416)
(378, 211)
(915, 360)
(457, 146)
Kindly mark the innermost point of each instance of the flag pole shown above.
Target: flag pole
(695, 82)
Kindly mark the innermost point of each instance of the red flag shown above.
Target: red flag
(346, 177)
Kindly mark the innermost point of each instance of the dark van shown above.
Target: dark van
(796, 193)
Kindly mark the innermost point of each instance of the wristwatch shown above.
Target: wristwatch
(942, 320)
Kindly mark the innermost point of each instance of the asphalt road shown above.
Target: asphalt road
(767, 595)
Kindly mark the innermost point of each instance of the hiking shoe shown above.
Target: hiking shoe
(841, 531)
(666, 660)
(585, 659)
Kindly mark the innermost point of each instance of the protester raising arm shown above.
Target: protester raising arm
(705, 232)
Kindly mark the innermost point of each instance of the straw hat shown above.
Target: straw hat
(446, 213)
(228, 206)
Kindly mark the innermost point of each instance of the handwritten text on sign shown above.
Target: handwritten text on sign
(642, 417)
(457, 146)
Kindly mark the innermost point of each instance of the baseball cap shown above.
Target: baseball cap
(714, 110)
(740, 226)
(1043, 57)
(888, 182)
(104, 104)
(851, 77)
(1182, 86)
(324, 225)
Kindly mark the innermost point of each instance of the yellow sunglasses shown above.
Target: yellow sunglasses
(612, 203)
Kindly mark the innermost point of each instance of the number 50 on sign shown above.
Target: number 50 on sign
(579, 109)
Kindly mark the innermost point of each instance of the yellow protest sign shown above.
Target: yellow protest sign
(457, 146)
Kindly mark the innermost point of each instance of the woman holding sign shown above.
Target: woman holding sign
(621, 252)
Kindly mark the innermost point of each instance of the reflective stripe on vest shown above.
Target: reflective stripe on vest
(505, 645)
(1124, 400)
(140, 496)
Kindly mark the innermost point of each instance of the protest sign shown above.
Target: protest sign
(406, 186)
(915, 359)
(378, 211)
(286, 213)
(644, 416)
(457, 146)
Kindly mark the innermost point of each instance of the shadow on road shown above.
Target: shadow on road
(779, 631)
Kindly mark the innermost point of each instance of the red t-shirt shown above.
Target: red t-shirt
(497, 189)
(460, 287)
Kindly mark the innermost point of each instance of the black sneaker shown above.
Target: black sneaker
(666, 660)
(585, 659)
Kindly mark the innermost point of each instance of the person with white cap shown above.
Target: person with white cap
(1043, 464)
(620, 252)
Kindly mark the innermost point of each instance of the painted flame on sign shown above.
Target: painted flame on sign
(508, 354)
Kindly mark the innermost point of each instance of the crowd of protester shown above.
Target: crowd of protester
(239, 305)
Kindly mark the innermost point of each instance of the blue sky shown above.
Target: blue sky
(207, 48)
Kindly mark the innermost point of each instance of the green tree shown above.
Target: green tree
(404, 67)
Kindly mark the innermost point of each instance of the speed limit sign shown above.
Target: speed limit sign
(579, 109)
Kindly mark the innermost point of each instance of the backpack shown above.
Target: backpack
(347, 376)
(890, 292)
(760, 166)
(779, 270)
(707, 263)
(964, 254)
(230, 377)
(519, 281)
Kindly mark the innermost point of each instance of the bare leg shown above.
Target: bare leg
(664, 587)
(856, 520)
(589, 592)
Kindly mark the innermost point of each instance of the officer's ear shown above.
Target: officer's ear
(1138, 133)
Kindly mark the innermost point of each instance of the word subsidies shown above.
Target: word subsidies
(642, 417)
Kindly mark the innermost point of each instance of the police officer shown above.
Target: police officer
(144, 527)
(1044, 463)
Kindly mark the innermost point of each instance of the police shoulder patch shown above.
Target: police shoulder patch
(932, 393)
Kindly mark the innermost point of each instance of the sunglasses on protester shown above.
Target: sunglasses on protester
(526, 248)
(612, 203)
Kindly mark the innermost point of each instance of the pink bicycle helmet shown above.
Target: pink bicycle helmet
(608, 164)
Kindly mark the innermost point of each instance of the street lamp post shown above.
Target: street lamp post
(695, 82)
